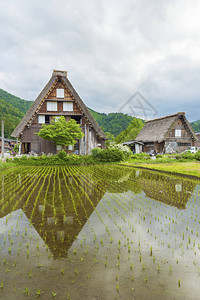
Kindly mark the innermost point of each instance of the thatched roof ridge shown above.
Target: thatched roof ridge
(156, 130)
(165, 117)
(57, 75)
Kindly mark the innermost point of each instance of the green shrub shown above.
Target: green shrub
(124, 149)
(187, 155)
(109, 155)
(62, 154)
(96, 151)
(140, 156)
(197, 155)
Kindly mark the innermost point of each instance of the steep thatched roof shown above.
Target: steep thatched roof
(57, 76)
(156, 130)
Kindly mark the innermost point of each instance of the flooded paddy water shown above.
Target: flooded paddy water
(98, 232)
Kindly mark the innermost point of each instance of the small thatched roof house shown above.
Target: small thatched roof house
(167, 134)
(58, 98)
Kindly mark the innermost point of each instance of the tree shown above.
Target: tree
(130, 132)
(110, 138)
(62, 132)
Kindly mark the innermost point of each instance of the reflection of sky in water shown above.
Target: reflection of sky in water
(16, 227)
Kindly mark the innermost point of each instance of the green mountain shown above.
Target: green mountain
(196, 126)
(12, 110)
(114, 123)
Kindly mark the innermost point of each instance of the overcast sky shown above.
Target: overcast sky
(111, 49)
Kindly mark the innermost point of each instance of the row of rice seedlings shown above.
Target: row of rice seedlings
(23, 188)
(76, 188)
(44, 177)
(62, 207)
(71, 196)
(85, 193)
(31, 189)
(54, 193)
(51, 170)
(8, 180)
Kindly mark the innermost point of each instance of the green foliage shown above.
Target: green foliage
(197, 155)
(108, 155)
(61, 132)
(130, 133)
(60, 159)
(140, 156)
(187, 155)
(124, 149)
(110, 138)
(62, 154)
(12, 110)
(16, 148)
(196, 126)
(96, 151)
(112, 122)
(98, 156)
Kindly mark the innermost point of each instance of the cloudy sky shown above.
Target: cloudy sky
(111, 49)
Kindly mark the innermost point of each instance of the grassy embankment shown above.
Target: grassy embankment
(187, 164)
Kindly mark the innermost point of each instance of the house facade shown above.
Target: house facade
(168, 134)
(135, 146)
(58, 98)
(8, 144)
(197, 143)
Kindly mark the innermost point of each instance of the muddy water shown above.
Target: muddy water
(98, 232)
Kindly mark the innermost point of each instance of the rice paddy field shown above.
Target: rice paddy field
(98, 232)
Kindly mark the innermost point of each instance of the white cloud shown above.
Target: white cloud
(110, 49)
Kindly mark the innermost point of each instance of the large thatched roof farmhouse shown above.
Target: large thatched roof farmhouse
(58, 98)
(167, 134)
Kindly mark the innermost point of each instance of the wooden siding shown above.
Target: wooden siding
(29, 125)
(60, 85)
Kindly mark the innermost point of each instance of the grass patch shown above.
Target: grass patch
(186, 168)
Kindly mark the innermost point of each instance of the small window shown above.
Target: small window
(178, 188)
(41, 119)
(177, 132)
(60, 93)
(70, 147)
(47, 119)
(68, 106)
(51, 106)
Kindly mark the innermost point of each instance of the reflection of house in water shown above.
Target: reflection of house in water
(174, 191)
(60, 203)
(54, 216)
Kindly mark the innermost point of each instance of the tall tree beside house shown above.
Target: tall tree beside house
(130, 133)
(61, 132)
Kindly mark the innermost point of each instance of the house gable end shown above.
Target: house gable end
(57, 81)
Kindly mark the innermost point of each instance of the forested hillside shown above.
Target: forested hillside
(196, 126)
(12, 110)
(113, 122)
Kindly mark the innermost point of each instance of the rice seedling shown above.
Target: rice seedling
(26, 291)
